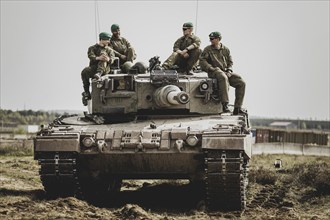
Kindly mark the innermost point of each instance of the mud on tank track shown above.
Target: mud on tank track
(301, 189)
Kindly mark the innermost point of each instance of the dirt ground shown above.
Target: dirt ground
(299, 190)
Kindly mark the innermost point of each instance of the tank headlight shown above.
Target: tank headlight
(204, 86)
(88, 142)
(192, 140)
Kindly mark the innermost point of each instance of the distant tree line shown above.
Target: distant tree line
(9, 118)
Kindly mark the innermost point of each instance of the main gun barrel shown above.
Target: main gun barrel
(170, 95)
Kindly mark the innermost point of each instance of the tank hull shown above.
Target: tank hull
(90, 161)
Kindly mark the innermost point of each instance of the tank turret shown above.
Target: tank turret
(157, 92)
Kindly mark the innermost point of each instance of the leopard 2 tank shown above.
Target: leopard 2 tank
(148, 123)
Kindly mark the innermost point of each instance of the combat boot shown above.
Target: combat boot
(85, 97)
(175, 67)
(225, 108)
(239, 111)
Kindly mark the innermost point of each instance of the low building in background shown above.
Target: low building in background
(283, 125)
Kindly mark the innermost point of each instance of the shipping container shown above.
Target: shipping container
(265, 135)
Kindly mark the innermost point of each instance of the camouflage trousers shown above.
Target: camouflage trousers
(224, 82)
(89, 72)
(130, 56)
(185, 64)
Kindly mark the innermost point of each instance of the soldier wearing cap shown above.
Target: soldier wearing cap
(186, 51)
(101, 56)
(217, 61)
(122, 48)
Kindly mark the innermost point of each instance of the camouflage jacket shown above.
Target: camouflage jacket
(96, 50)
(212, 57)
(119, 45)
(184, 42)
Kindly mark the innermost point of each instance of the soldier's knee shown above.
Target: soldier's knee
(84, 72)
(242, 83)
(195, 52)
(174, 55)
(198, 52)
(220, 75)
(131, 54)
(130, 51)
(87, 73)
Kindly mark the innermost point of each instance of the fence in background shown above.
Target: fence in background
(290, 148)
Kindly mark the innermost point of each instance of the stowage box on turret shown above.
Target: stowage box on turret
(148, 124)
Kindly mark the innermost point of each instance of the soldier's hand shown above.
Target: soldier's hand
(123, 57)
(107, 58)
(182, 52)
(99, 57)
(104, 58)
(228, 74)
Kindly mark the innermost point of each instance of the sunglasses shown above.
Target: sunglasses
(212, 38)
(185, 29)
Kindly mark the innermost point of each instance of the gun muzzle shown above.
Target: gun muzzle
(170, 95)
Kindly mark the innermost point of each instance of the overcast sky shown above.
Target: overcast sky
(281, 48)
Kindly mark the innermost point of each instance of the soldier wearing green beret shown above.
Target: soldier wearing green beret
(186, 51)
(122, 47)
(101, 56)
(217, 61)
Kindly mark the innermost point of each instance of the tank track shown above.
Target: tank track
(58, 174)
(225, 180)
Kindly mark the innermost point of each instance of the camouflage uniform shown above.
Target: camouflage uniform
(212, 58)
(184, 64)
(96, 66)
(121, 46)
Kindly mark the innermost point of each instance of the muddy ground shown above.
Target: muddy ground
(300, 190)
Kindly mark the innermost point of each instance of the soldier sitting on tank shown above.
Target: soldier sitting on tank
(101, 56)
(122, 49)
(217, 61)
(186, 51)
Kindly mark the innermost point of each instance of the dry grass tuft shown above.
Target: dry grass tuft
(15, 151)
(315, 175)
(262, 176)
